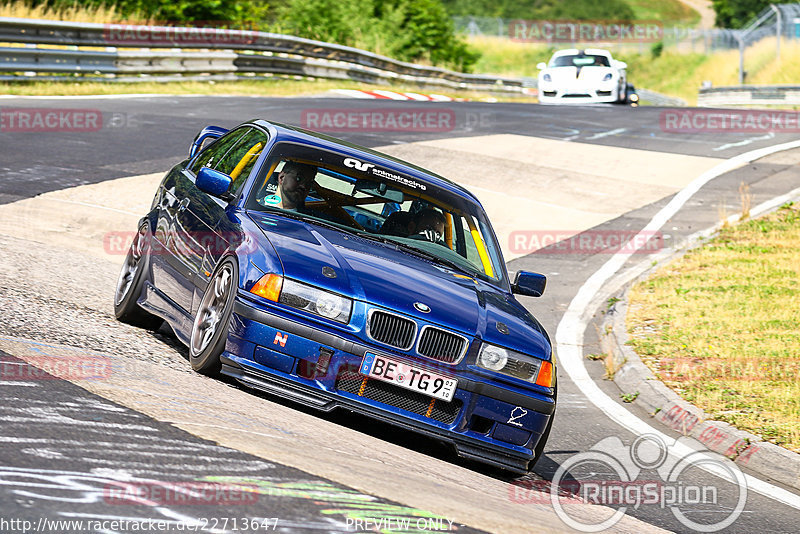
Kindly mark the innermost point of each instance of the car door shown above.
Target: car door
(180, 230)
(212, 213)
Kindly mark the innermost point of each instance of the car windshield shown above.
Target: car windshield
(350, 195)
(579, 60)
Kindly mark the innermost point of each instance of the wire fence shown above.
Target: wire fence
(776, 20)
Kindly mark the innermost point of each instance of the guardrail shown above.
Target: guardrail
(749, 95)
(657, 99)
(139, 50)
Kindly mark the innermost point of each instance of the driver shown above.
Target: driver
(429, 225)
(294, 182)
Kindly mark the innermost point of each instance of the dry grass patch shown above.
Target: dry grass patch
(721, 326)
(273, 86)
(74, 13)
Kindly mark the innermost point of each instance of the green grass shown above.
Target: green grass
(721, 326)
(668, 12)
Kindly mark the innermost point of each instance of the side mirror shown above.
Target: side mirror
(213, 182)
(541, 66)
(529, 284)
(621, 65)
(208, 133)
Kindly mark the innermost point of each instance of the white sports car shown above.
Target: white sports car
(581, 77)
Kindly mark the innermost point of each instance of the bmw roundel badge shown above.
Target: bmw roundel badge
(424, 308)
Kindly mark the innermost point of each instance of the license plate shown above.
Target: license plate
(408, 376)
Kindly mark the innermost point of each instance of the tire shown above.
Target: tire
(131, 281)
(210, 326)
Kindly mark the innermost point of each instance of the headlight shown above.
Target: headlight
(316, 301)
(547, 78)
(492, 357)
(518, 365)
(608, 77)
(304, 297)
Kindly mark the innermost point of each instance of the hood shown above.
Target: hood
(373, 272)
(380, 274)
(519, 324)
(571, 74)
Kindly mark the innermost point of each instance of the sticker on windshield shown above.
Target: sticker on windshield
(272, 199)
(376, 171)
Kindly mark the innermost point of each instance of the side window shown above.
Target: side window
(241, 158)
(215, 152)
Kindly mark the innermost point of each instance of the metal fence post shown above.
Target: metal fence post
(741, 59)
(778, 30)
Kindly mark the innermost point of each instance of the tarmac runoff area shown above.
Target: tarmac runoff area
(536, 190)
(66, 232)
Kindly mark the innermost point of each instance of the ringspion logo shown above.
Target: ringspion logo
(648, 472)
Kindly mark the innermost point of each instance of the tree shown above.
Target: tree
(737, 13)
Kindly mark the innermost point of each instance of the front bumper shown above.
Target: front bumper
(485, 421)
(577, 94)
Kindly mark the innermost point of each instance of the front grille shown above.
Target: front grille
(353, 382)
(391, 329)
(441, 345)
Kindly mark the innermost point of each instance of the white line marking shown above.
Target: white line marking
(606, 134)
(569, 334)
(440, 98)
(224, 428)
(352, 93)
(417, 96)
(770, 135)
(96, 206)
(97, 97)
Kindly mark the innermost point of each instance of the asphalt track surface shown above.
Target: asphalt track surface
(148, 134)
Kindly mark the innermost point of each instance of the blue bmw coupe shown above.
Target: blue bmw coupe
(339, 277)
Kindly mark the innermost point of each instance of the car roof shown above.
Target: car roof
(288, 133)
(573, 51)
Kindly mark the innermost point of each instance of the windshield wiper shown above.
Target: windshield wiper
(310, 219)
(376, 237)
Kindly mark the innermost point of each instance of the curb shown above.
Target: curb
(379, 94)
(633, 377)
